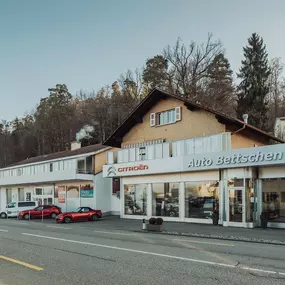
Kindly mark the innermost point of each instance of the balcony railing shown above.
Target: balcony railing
(214, 143)
(85, 171)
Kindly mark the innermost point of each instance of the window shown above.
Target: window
(28, 196)
(85, 210)
(135, 199)
(47, 207)
(273, 199)
(165, 117)
(116, 186)
(39, 191)
(165, 199)
(51, 167)
(201, 199)
(19, 171)
(142, 153)
(11, 205)
(26, 204)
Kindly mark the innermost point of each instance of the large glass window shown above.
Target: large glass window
(273, 199)
(165, 199)
(135, 199)
(201, 199)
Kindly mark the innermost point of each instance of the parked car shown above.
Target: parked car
(14, 208)
(81, 214)
(46, 211)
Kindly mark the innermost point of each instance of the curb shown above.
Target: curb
(207, 236)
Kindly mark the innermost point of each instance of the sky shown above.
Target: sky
(87, 44)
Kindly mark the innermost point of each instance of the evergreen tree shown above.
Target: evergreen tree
(253, 88)
(219, 87)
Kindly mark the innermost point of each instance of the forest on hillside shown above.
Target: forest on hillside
(200, 72)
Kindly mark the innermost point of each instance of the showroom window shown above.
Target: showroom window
(135, 199)
(273, 199)
(165, 199)
(201, 199)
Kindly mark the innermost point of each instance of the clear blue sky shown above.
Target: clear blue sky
(87, 44)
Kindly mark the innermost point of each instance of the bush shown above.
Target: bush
(152, 221)
(159, 221)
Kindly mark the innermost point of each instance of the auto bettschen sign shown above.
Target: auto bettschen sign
(259, 156)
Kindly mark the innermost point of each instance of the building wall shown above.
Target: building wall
(193, 124)
(100, 160)
(103, 193)
(246, 140)
(71, 203)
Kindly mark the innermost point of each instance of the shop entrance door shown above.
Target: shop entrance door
(235, 205)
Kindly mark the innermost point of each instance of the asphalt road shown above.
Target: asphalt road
(87, 253)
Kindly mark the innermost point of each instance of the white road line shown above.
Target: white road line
(157, 254)
(115, 233)
(132, 250)
(3, 230)
(57, 227)
(202, 242)
(261, 270)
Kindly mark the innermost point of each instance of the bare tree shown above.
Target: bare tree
(276, 90)
(188, 65)
(131, 83)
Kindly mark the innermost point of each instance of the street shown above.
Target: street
(91, 253)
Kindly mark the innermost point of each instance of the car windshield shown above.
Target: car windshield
(78, 210)
(11, 205)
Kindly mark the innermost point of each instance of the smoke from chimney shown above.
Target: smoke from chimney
(85, 133)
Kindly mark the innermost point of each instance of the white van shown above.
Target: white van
(14, 208)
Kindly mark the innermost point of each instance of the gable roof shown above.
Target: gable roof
(153, 98)
(61, 154)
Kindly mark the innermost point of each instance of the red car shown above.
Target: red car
(46, 211)
(81, 214)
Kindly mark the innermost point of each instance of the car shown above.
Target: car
(13, 209)
(43, 211)
(81, 214)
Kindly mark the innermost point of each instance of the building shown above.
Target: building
(182, 161)
(69, 179)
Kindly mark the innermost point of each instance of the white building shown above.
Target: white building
(68, 179)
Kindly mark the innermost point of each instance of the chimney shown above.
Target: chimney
(245, 118)
(75, 145)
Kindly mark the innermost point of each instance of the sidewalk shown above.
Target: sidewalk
(257, 235)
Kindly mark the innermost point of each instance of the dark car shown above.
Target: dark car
(81, 214)
(46, 211)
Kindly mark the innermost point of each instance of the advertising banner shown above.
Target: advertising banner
(86, 191)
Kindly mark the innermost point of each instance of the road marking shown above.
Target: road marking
(131, 250)
(262, 271)
(203, 242)
(115, 233)
(3, 230)
(21, 263)
(56, 227)
(157, 254)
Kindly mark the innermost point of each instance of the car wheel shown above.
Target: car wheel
(95, 218)
(53, 215)
(3, 215)
(67, 220)
(26, 216)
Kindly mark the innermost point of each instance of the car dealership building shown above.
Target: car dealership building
(181, 161)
